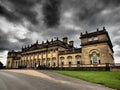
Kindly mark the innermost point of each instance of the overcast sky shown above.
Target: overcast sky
(22, 22)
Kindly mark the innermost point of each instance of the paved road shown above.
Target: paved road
(52, 81)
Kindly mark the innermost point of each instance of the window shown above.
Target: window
(54, 61)
(78, 59)
(89, 39)
(62, 63)
(91, 62)
(69, 63)
(54, 50)
(92, 39)
(99, 62)
(69, 60)
(95, 38)
(95, 58)
(62, 60)
(48, 62)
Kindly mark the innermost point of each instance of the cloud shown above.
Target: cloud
(51, 12)
(72, 26)
(8, 14)
(3, 56)
(117, 49)
(22, 22)
(21, 9)
(11, 35)
(117, 53)
(98, 13)
(111, 3)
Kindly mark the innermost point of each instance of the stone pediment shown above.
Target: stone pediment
(34, 47)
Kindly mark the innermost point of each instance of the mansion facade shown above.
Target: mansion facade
(96, 50)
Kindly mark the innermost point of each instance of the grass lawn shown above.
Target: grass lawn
(109, 79)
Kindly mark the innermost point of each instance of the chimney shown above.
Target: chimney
(36, 41)
(104, 28)
(97, 29)
(81, 34)
(71, 43)
(65, 40)
(42, 42)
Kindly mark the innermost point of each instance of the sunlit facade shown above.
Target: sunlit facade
(96, 50)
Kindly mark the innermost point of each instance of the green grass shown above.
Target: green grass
(109, 79)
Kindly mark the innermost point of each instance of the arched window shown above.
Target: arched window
(95, 58)
(78, 59)
(69, 60)
(62, 60)
(48, 61)
(54, 61)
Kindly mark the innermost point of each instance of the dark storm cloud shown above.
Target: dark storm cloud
(24, 3)
(90, 11)
(26, 41)
(59, 33)
(22, 9)
(25, 9)
(116, 36)
(51, 12)
(6, 44)
(111, 2)
(8, 14)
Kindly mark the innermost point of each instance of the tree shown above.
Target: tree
(1, 64)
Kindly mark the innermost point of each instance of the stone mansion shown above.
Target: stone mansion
(96, 50)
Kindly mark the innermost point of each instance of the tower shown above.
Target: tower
(96, 47)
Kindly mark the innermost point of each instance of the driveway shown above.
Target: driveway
(43, 80)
